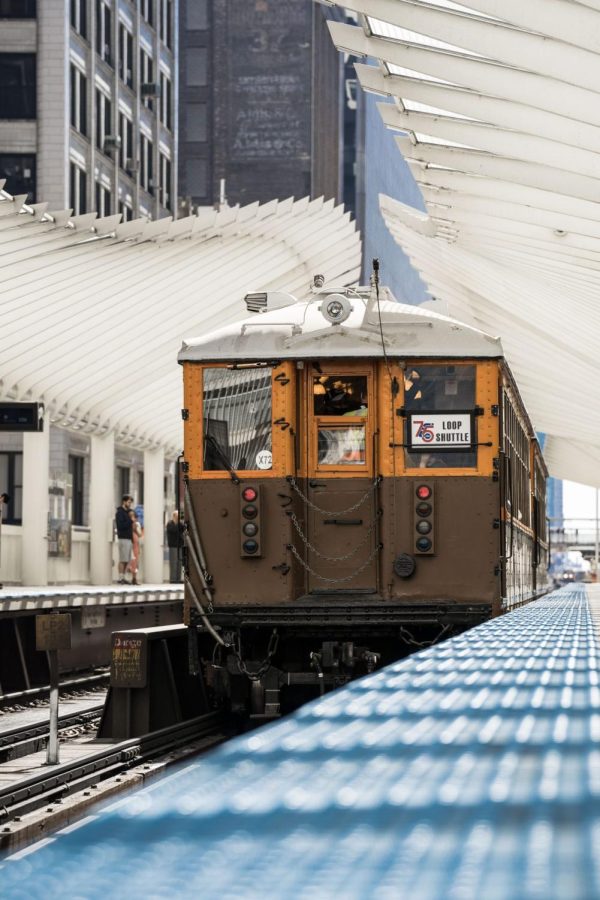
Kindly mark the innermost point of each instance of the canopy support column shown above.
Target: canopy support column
(154, 474)
(102, 507)
(34, 542)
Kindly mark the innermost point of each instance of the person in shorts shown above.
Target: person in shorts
(124, 535)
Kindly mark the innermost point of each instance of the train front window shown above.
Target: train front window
(340, 395)
(341, 445)
(237, 414)
(439, 389)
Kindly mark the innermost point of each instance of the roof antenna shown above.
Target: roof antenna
(375, 276)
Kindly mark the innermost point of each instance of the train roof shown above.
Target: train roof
(300, 329)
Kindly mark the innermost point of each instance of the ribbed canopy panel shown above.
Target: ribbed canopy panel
(497, 108)
(94, 312)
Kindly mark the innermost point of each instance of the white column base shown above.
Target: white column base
(102, 508)
(152, 554)
(34, 540)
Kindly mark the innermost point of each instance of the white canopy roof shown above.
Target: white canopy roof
(497, 105)
(93, 312)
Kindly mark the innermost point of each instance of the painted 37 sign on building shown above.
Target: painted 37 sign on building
(441, 431)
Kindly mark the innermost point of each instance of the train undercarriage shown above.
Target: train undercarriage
(274, 659)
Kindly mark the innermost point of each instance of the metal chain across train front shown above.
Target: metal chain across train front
(308, 544)
(333, 512)
(335, 580)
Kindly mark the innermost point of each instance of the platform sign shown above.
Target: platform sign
(21, 417)
(128, 662)
(93, 617)
(440, 431)
(53, 632)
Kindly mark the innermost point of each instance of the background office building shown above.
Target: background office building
(88, 104)
(261, 102)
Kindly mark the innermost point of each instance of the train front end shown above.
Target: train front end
(344, 491)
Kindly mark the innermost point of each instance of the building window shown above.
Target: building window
(165, 181)
(196, 178)
(79, 17)
(19, 171)
(17, 9)
(126, 153)
(78, 100)
(196, 15)
(125, 56)
(17, 86)
(196, 66)
(11, 479)
(102, 200)
(166, 20)
(78, 189)
(196, 122)
(103, 32)
(126, 211)
(166, 101)
(123, 473)
(148, 88)
(76, 471)
(103, 121)
(146, 164)
(146, 9)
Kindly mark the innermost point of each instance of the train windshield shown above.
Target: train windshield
(439, 389)
(237, 419)
(340, 395)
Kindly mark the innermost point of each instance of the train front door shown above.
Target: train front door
(342, 535)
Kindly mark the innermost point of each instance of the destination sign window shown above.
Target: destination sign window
(439, 403)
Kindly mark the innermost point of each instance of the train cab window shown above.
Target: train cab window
(439, 389)
(340, 395)
(237, 414)
(341, 419)
(341, 446)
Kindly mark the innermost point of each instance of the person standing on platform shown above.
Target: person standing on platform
(174, 543)
(136, 546)
(124, 535)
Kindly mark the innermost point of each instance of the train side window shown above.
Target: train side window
(237, 419)
(435, 389)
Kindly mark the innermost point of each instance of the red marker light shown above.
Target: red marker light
(250, 494)
(423, 492)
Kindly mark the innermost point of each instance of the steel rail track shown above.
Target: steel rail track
(71, 684)
(24, 739)
(52, 784)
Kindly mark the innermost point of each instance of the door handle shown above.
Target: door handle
(316, 484)
(342, 521)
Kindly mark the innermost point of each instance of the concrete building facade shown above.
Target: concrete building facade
(88, 104)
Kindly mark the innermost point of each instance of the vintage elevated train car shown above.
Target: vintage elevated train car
(358, 474)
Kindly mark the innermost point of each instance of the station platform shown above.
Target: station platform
(15, 599)
(96, 611)
(469, 770)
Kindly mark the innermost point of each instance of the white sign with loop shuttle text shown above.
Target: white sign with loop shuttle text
(441, 431)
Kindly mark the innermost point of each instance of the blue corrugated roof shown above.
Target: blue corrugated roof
(469, 770)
